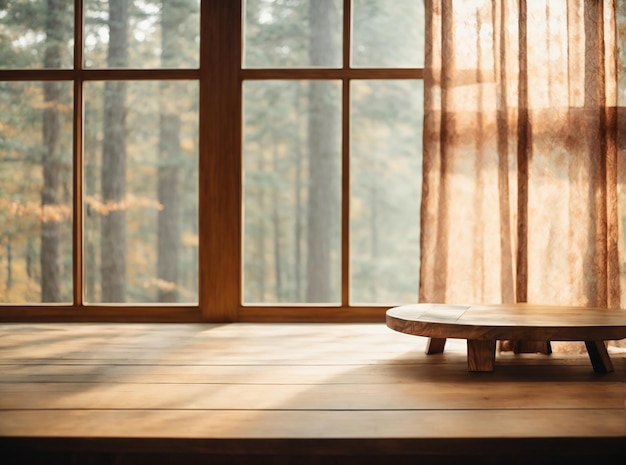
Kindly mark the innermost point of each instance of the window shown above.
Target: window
(187, 160)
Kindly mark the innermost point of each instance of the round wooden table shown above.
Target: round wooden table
(483, 325)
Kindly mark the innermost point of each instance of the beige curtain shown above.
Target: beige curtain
(522, 171)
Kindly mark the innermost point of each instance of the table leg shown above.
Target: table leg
(599, 356)
(481, 354)
(435, 345)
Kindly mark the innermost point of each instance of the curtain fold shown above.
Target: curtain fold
(522, 170)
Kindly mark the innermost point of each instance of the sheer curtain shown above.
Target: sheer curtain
(522, 170)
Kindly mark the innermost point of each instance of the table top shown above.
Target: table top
(509, 321)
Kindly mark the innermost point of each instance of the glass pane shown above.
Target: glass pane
(293, 33)
(36, 192)
(388, 33)
(36, 34)
(142, 34)
(385, 190)
(292, 190)
(141, 191)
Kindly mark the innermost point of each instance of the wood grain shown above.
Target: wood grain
(515, 321)
(220, 160)
(435, 345)
(481, 354)
(599, 356)
(483, 325)
(272, 389)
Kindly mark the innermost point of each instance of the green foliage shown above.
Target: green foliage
(27, 14)
(277, 34)
(23, 36)
(385, 190)
(23, 44)
(388, 33)
(385, 145)
(21, 182)
(278, 154)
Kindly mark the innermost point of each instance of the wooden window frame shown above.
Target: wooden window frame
(220, 76)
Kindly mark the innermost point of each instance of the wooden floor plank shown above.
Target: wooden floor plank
(440, 369)
(405, 396)
(278, 424)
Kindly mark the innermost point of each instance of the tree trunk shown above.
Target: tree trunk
(113, 171)
(172, 16)
(323, 169)
(374, 246)
(9, 281)
(50, 260)
(261, 235)
(298, 210)
(276, 230)
(168, 222)
(90, 137)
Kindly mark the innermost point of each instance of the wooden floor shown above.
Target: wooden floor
(293, 393)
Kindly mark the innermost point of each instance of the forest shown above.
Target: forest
(140, 153)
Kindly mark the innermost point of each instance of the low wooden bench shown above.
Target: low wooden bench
(483, 325)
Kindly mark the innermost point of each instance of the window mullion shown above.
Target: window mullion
(77, 262)
(220, 160)
(345, 157)
(78, 290)
(345, 194)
